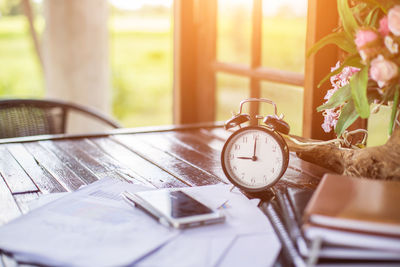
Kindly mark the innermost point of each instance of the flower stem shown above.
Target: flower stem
(394, 109)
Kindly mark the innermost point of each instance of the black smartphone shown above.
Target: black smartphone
(175, 208)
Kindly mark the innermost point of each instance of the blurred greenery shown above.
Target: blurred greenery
(283, 39)
(20, 74)
(283, 47)
(141, 63)
(10, 7)
(141, 52)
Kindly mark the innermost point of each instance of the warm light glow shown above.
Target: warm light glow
(273, 8)
(137, 4)
(270, 8)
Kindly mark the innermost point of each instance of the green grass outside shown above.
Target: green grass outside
(283, 42)
(141, 63)
(141, 66)
(283, 47)
(142, 78)
(20, 75)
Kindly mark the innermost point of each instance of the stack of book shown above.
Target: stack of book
(345, 219)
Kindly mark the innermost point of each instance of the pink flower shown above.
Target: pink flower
(383, 26)
(336, 66)
(330, 119)
(382, 70)
(364, 37)
(342, 78)
(391, 45)
(329, 93)
(331, 116)
(394, 20)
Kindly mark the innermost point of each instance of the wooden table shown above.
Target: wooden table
(159, 157)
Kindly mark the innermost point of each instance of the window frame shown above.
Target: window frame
(196, 65)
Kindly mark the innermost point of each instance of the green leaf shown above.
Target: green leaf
(372, 17)
(358, 84)
(376, 4)
(342, 95)
(394, 109)
(347, 116)
(330, 74)
(374, 20)
(350, 25)
(337, 38)
(352, 61)
(357, 10)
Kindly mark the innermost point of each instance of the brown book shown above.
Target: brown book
(356, 204)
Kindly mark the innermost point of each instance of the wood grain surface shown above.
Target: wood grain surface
(173, 157)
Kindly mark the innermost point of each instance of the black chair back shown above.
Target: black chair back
(26, 117)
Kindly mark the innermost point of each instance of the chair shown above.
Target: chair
(25, 117)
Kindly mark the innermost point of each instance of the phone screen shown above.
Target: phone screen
(183, 205)
(175, 204)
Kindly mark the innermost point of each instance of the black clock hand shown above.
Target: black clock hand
(254, 158)
(244, 158)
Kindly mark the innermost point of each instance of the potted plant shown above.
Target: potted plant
(369, 36)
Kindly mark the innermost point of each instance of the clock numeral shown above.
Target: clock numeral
(273, 170)
(255, 136)
(234, 168)
(253, 180)
(266, 140)
(244, 139)
(237, 147)
(243, 175)
(231, 156)
(265, 178)
(274, 148)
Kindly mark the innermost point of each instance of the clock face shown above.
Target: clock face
(254, 158)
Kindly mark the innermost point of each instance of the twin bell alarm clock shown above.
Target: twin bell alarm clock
(254, 158)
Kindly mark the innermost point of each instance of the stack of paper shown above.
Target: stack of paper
(95, 227)
(90, 227)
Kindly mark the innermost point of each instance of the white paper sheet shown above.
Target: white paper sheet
(246, 236)
(246, 230)
(45, 199)
(185, 251)
(256, 250)
(91, 227)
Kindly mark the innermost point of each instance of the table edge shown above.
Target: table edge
(119, 131)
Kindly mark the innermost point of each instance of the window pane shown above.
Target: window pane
(234, 31)
(289, 101)
(284, 34)
(141, 58)
(230, 91)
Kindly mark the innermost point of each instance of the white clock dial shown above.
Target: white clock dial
(254, 158)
